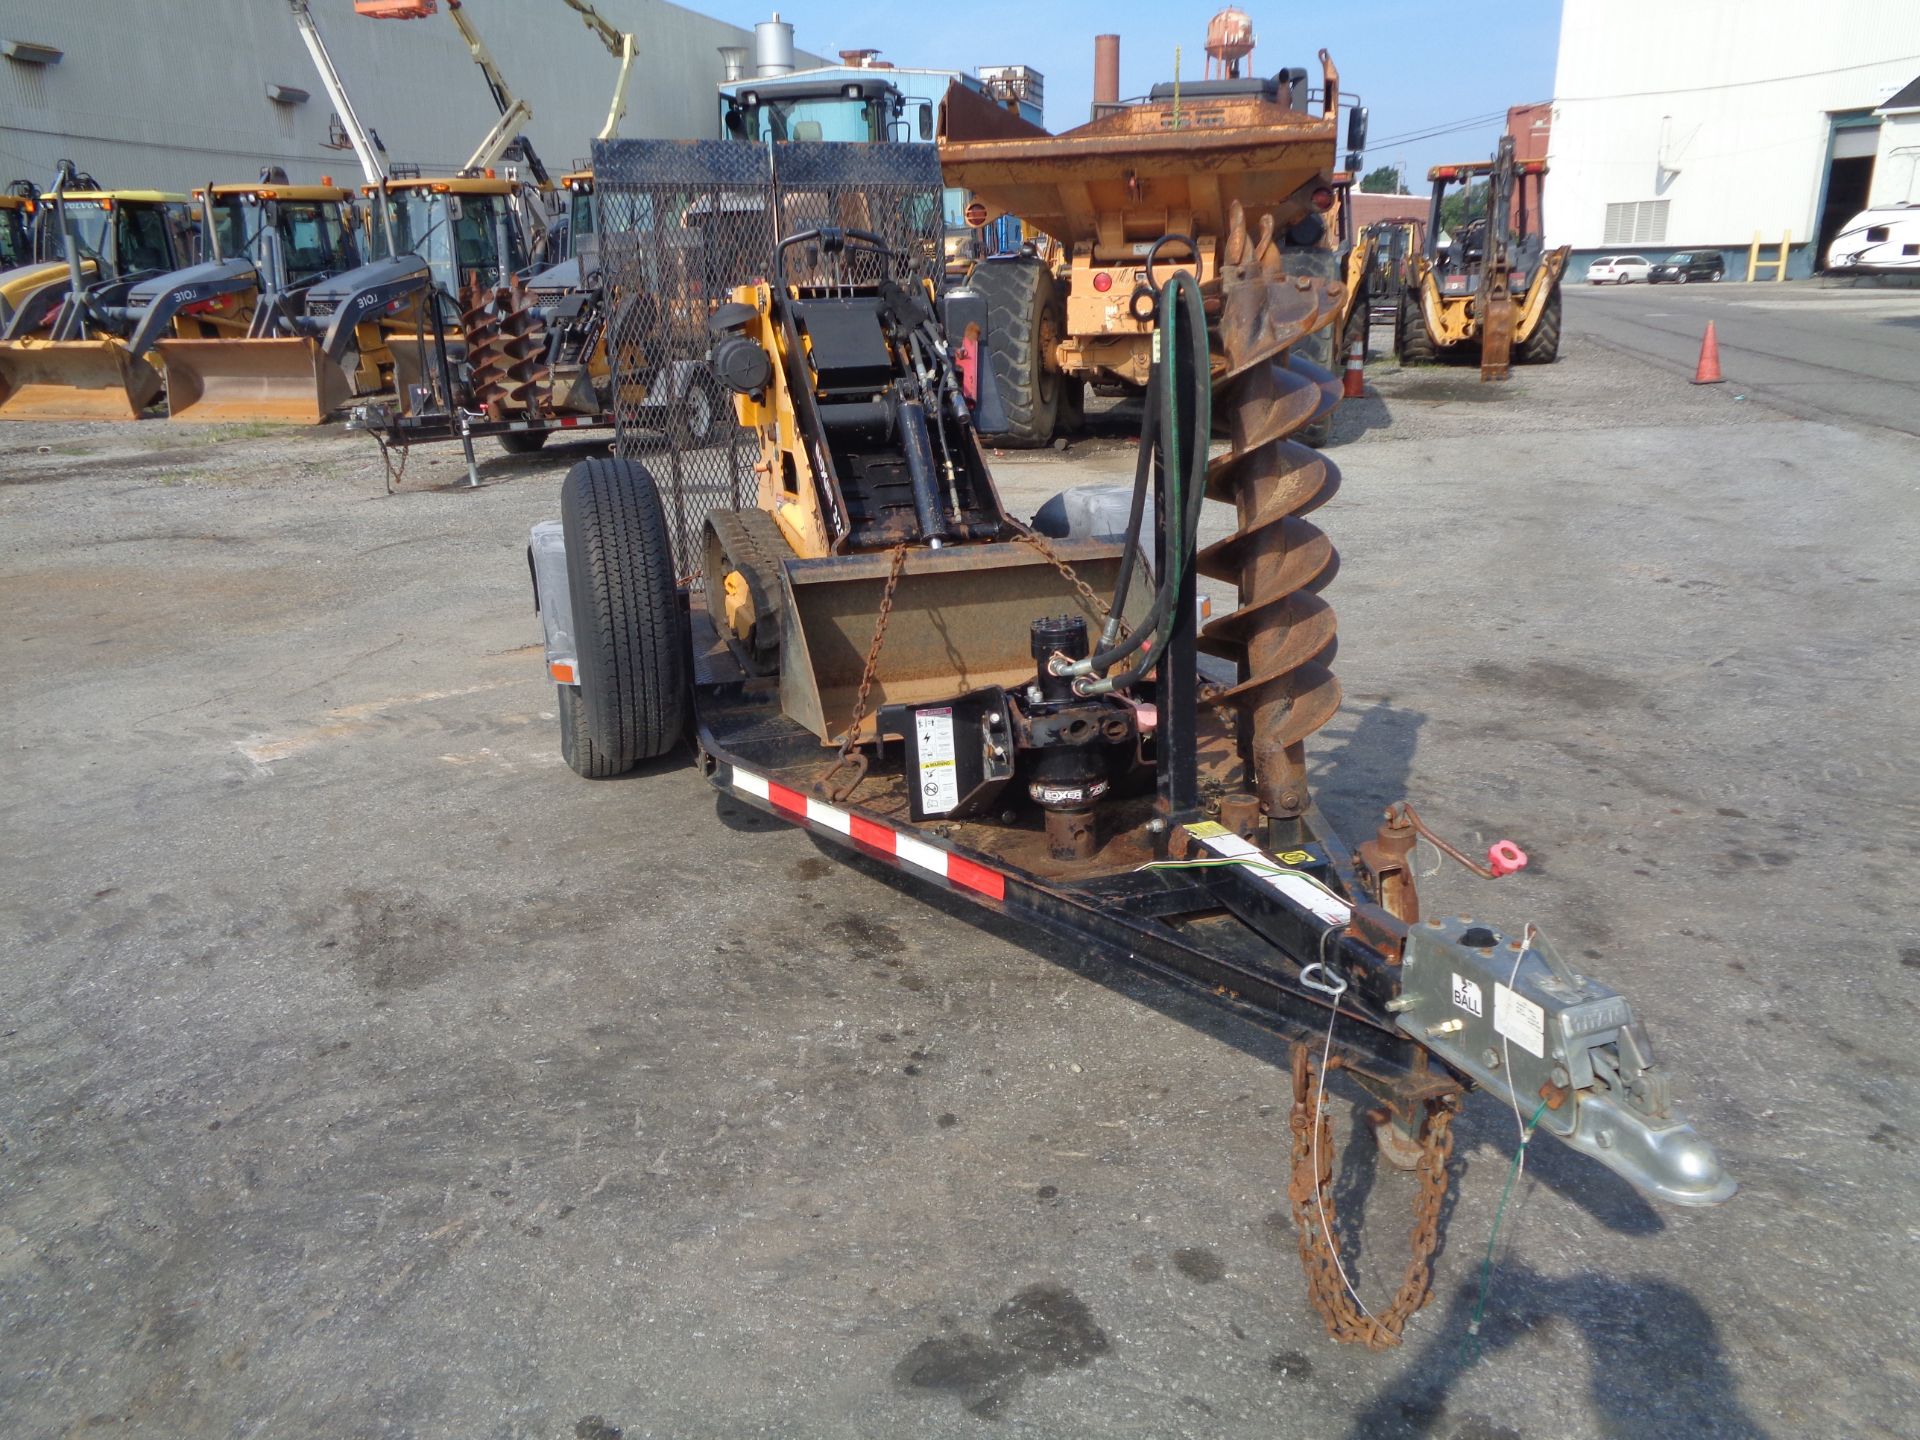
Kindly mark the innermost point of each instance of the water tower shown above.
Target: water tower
(1229, 43)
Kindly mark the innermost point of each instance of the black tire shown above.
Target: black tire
(632, 654)
(1412, 344)
(698, 418)
(1022, 298)
(523, 442)
(1542, 347)
(576, 744)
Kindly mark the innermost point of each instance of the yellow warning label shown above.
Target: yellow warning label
(1207, 830)
(1294, 857)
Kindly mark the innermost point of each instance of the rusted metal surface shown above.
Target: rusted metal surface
(1283, 630)
(74, 380)
(1311, 1193)
(1387, 856)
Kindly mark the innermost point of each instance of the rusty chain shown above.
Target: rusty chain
(845, 759)
(1092, 601)
(1309, 1191)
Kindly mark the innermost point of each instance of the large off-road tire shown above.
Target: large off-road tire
(1542, 347)
(1025, 314)
(632, 651)
(1412, 343)
(576, 745)
(1320, 346)
(523, 442)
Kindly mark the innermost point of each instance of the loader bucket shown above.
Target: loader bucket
(74, 380)
(287, 381)
(962, 618)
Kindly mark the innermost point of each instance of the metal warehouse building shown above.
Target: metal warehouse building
(1704, 123)
(170, 95)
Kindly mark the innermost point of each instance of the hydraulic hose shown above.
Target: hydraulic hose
(1179, 442)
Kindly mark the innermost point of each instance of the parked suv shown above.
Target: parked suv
(1689, 265)
(1620, 269)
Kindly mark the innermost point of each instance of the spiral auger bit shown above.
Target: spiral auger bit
(1502, 1012)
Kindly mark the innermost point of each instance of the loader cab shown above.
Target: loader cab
(314, 222)
(456, 226)
(869, 111)
(16, 230)
(583, 214)
(122, 232)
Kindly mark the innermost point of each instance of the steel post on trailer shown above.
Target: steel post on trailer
(455, 411)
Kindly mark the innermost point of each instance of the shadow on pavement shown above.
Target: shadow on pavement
(1653, 1355)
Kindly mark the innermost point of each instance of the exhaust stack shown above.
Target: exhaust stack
(772, 47)
(1106, 72)
(733, 58)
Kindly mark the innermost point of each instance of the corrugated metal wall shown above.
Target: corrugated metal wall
(171, 93)
(1695, 125)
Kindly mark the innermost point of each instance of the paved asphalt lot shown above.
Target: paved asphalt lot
(367, 1074)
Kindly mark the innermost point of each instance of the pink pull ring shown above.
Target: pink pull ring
(1504, 857)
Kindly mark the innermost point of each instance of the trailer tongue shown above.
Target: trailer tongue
(879, 652)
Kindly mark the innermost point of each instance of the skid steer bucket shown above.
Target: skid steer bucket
(74, 380)
(288, 381)
(961, 618)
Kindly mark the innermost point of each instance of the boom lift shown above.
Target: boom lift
(1494, 286)
(872, 647)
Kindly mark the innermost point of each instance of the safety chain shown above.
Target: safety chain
(846, 759)
(1311, 1194)
(1092, 601)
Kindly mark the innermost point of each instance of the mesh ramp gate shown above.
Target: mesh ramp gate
(682, 222)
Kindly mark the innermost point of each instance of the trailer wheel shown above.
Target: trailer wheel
(576, 744)
(631, 654)
(1319, 346)
(1024, 312)
(1542, 347)
(523, 442)
(697, 419)
(1412, 345)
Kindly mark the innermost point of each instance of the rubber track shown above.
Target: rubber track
(633, 661)
(752, 542)
(1013, 292)
(1543, 346)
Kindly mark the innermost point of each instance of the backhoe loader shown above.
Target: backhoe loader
(265, 243)
(1493, 287)
(61, 355)
(859, 639)
(17, 206)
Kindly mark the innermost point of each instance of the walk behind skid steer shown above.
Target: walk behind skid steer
(1153, 179)
(876, 650)
(1494, 287)
(62, 355)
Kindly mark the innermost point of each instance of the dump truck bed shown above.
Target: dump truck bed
(1139, 173)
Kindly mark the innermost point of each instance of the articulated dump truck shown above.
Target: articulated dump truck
(1148, 189)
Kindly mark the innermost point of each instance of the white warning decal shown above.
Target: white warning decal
(939, 779)
(1520, 1020)
(1466, 995)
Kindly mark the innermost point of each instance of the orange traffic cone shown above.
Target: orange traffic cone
(1354, 385)
(1707, 372)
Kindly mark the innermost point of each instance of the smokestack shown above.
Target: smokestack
(773, 47)
(734, 58)
(1106, 71)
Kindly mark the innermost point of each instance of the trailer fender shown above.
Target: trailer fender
(547, 565)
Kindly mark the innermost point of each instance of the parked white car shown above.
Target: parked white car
(1619, 269)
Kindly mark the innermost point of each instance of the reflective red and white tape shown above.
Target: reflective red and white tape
(870, 834)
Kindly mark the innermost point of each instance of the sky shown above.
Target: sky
(1412, 62)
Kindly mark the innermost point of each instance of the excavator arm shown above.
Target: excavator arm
(515, 113)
